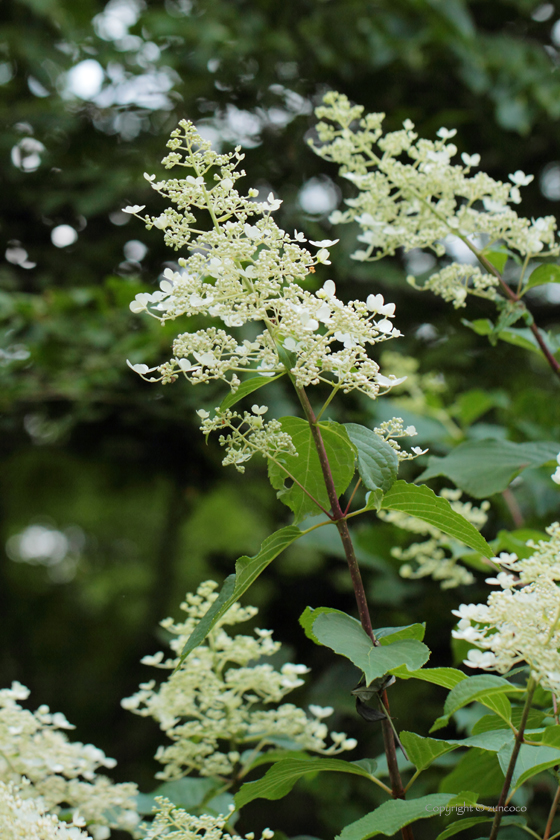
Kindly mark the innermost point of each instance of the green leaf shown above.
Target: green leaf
(394, 815)
(378, 462)
(387, 635)
(247, 570)
(282, 776)
(530, 761)
(423, 503)
(489, 723)
(306, 468)
(479, 771)
(464, 797)
(252, 383)
(345, 636)
(520, 337)
(423, 751)
(543, 274)
(272, 756)
(484, 467)
(481, 687)
(551, 737)
(469, 822)
(472, 404)
(446, 677)
(497, 258)
(511, 312)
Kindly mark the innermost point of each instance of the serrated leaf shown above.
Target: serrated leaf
(446, 677)
(394, 815)
(345, 636)
(282, 776)
(530, 761)
(378, 462)
(543, 274)
(484, 467)
(306, 468)
(481, 687)
(252, 383)
(422, 503)
(309, 615)
(247, 570)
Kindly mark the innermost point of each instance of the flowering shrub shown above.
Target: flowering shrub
(221, 707)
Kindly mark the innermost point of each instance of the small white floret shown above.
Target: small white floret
(134, 208)
(520, 179)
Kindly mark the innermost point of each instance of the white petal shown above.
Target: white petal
(133, 208)
(324, 243)
(385, 327)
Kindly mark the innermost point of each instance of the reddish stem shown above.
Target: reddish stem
(359, 592)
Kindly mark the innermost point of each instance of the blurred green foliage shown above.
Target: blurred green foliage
(88, 95)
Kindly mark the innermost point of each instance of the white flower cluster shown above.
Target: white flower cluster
(431, 558)
(249, 434)
(454, 282)
(412, 196)
(246, 269)
(391, 430)
(218, 697)
(24, 818)
(38, 761)
(174, 823)
(521, 621)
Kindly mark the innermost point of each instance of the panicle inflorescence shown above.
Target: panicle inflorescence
(244, 270)
(434, 557)
(249, 433)
(173, 822)
(521, 621)
(411, 195)
(217, 702)
(38, 760)
(24, 817)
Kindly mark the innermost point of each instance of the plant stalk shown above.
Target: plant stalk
(512, 762)
(552, 814)
(339, 519)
